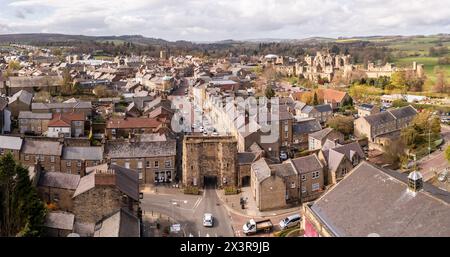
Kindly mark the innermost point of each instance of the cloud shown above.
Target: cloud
(221, 19)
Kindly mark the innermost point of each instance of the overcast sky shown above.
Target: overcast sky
(209, 20)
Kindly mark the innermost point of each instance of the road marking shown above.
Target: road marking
(197, 203)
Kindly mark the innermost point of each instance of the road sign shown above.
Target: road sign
(175, 228)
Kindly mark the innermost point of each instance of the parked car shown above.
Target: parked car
(283, 155)
(291, 221)
(208, 220)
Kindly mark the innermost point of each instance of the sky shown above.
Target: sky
(212, 20)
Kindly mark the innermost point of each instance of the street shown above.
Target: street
(437, 161)
(188, 210)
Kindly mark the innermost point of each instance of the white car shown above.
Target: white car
(208, 220)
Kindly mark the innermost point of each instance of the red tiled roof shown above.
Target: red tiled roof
(133, 123)
(332, 95)
(65, 119)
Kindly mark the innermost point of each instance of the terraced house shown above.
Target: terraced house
(154, 160)
(384, 123)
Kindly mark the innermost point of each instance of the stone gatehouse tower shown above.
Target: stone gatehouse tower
(209, 160)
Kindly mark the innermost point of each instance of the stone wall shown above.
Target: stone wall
(209, 156)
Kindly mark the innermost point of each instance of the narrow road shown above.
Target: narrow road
(437, 160)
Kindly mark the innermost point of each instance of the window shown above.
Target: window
(27, 157)
(140, 175)
(95, 163)
(286, 128)
(139, 165)
(303, 189)
(1, 151)
(156, 164)
(344, 171)
(79, 163)
(292, 184)
(303, 177)
(147, 164)
(113, 131)
(52, 158)
(315, 187)
(127, 165)
(68, 163)
(168, 164)
(286, 135)
(52, 169)
(315, 174)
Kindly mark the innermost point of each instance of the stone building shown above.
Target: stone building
(317, 139)
(35, 123)
(11, 145)
(384, 123)
(48, 153)
(374, 201)
(321, 66)
(104, 192)
(209, 160)
(155, 159)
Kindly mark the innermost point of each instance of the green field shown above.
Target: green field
(430, 64)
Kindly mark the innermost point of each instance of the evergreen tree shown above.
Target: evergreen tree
(315, 99)
(22, 213)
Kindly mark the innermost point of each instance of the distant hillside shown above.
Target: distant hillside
(42, 38)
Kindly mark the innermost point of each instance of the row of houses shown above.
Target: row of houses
(152, 156)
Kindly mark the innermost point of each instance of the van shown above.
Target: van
(290, 221)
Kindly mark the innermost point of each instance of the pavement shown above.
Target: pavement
(436, 162)
(240, 216)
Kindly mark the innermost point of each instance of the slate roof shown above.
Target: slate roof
(59, 180)
(127, 181)
(130, 123)
(390, 115)
(34, 81)
(59, 220)
(12, 143)
(261, 169)
(323, 108)
(89, 153)
(306, 126)
(120, 149)
(319, 135)
(283, 169)
(72, 105)
(381, 203)
(86, 183)
(22, 96)
(35, 115)
(41, 147)
(403, 112)
(246, 157)
(307, 164)
(120, 224)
